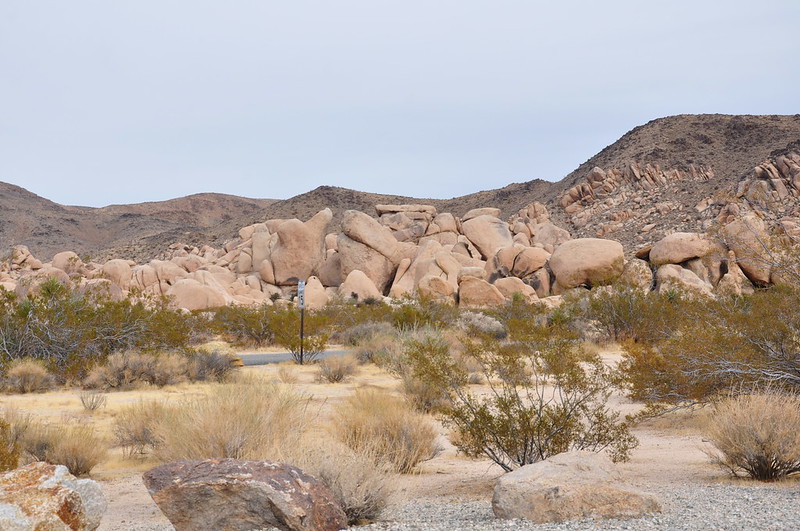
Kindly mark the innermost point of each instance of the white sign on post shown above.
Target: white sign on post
(301, 294)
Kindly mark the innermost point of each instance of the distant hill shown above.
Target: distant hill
(658, 174)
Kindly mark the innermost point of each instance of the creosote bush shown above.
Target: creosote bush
(385, 427)
(757, 434)
(547, 396)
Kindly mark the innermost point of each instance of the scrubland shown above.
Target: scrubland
(429, 403)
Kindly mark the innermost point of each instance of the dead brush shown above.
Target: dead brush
(336, 369)
(757, 434)
(385, 427)
(28, 376)
(92, 400)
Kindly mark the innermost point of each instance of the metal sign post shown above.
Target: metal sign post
(301, 301)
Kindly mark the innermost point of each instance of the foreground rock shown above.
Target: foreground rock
(41, 496)
(570, 485)
(242, 495)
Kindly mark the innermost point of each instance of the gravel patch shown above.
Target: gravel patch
(713, 507)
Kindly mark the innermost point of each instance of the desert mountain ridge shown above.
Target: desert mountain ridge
(672, 174)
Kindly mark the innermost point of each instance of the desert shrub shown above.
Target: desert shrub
(361, 489)
(70, 331)
(247, 420)
(123, 370)
(287, 375)
(92, 400)
(422, 312)
(757, 434)
(74, 445)
(135, 427)
(477, 322)
(210, 366)
(363, 332)
(245, 325)
(9, 449)
(28, 376)
(717, 346)
(336, 369)
(546, 396)
(285, 324)
(382, 349)
(423, 395)
(387, 428)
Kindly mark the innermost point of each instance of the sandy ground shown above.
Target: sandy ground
(670, 453)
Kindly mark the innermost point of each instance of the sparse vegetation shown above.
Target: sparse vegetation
(757, 434)
(28, 376)
(380, 425)
(72, 444)
(547, 397)
(336, 369)
(92, 400)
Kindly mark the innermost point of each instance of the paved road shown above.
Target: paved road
(250, 359)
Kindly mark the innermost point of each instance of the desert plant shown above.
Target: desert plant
(248, 420)
(135, 427)
(287, 375)
(361, 489)
(28, 376)
(385, 427)
(477, 322)
(546, 397)
(74, 445)
(285, 324)
(758, 434)
(362, 332)
(92, 400)
(212, 366)
(9, 449)
(336, 369)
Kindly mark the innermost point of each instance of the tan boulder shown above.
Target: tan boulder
(101, 288)
(316, 296)
(748, 238)
(262, 241)
(355, 256)
(31, 283)
(330, 272)
(549, 236)
(675, 277)
(488, 234)
(734, 282)
(359, 286)
(571, 485)
(477, 212)
(541, 282)
(119, 272)
(529, 260)
(477, 293)
(679, 247)
(189, 294)
(145, 279)
(368, 231)
(446, 222)
(437, 289)
(587, 262)
(299, 248)
(510, 286)
(391, 209)
(637, 274)
(67, 261)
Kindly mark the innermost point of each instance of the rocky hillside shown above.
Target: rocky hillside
(133, 231)
(676, 173)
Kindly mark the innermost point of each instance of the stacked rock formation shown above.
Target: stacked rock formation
(410, 251)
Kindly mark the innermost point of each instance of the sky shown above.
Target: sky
(112, 102)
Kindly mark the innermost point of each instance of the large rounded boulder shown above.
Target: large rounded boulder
(587, 262)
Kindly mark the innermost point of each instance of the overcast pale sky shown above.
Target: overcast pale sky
(106, 102)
